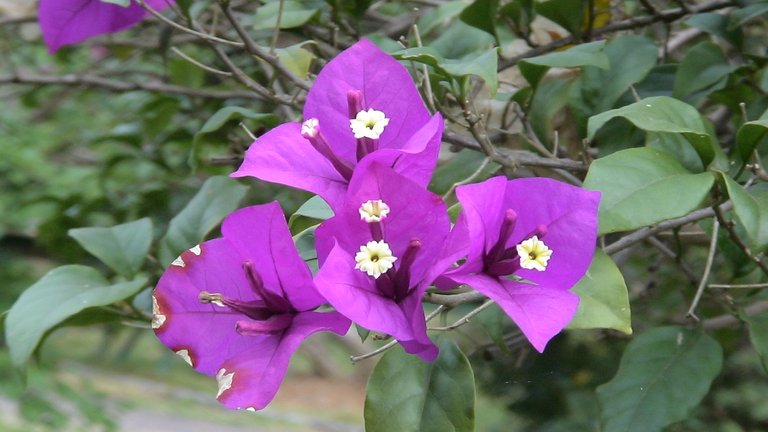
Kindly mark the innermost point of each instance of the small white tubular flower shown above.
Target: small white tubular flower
(310, 128)
(374, 211)
(534, 254)
(375, 258)
(368, 124)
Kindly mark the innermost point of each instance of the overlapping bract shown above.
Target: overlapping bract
(238, 307)
(360, 78)
(67, 22)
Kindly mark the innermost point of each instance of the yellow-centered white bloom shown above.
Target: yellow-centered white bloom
(374, 211)
(368, 124)
(375, 258)
(534, 254)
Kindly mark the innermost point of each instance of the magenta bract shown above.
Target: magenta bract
(415, 229)
(67, 22)
(238, 307)
(321, 154)
(500, 214)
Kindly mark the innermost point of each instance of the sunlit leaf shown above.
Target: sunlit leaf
(603, 298)
(643, 186)
(122, 247)
(61, 293)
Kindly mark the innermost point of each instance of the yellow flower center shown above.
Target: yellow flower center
(375, 258)
(534, 254)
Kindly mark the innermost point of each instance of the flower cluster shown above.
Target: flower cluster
(237, 307)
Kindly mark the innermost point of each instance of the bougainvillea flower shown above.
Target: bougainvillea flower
(67, 22)
(363, 105)
(530, 240)
(237, 307)
(381, 251)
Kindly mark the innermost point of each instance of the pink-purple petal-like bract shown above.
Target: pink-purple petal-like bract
(409, 144)
(563, 216)
(241, 305)
(416, 216)
(67, 22)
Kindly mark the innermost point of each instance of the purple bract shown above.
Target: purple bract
(238, 307)
(67, 22)
(530, 240)
(381, 251)
(363, 105)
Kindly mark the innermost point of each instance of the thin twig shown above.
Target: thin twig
(390, 344)
(276, 31)
(121, 86)
(469, 179)
(727, 320)
(705, 276)
(465, 319)
(178, 26)
(729, 226)
(739, 286)
(198, 64)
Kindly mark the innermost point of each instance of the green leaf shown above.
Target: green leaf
(643, 186)
(568, 13)
(740, 16)
(758, 335)
(483, 66)
(662, 114)
(295, 14)
(221, 118)
(751, 209)
(631, 58)
(750, 134)
(703, 66)
(550, 97)
(312, 212)
(481, 14)
(362, 332)
(218, 197)
(61, 293)
(604, 302)
(663, 374)
(121, 247)
(717, 25)
(305, 244)
(296, 59)
(459, 167)
(406, 394)
(437, 16)
(677, 146)
(588, 54)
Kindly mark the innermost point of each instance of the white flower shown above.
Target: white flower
(375, 258)
(368, 124)
(534, 254)
(374, 211)
(310, 128)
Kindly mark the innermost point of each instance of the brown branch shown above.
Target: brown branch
(728, 319)
(93, 81)
(644, 233)
(627, 24)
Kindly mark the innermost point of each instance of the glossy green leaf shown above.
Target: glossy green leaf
(435, 17)
(305, 244)
(664, 373)
(677, 146)
(61, 293)
(758, 335)
(233, 113)
(122, 247)
(483, 66)
(294, 14)
(703, 65)
(296, 58)
(604, 302)
(313, 211)
(588, 54)
(407, 394)
(568, 13)
(550, 97)
(662, 114)
(751, 209)
(750, 134)
(218, 197)
(458, 168)
(643, 186)
(481, 14)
